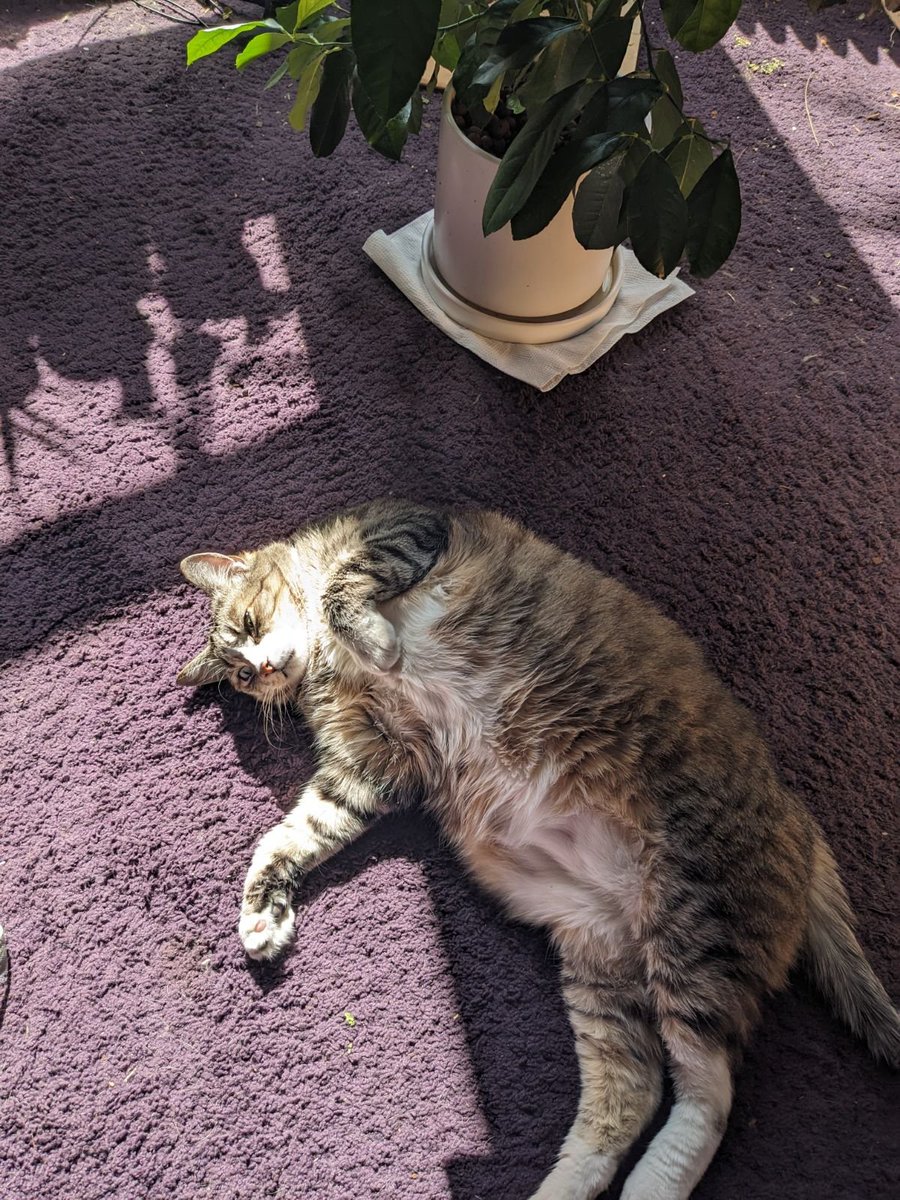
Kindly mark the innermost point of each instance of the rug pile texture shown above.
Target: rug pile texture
(196, 354)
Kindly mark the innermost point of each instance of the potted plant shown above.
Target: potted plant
(565, 135)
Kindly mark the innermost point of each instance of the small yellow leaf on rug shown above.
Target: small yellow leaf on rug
(767, 67)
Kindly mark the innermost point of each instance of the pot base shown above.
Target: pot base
(532, 331)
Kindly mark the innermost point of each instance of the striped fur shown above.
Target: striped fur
(591, 772)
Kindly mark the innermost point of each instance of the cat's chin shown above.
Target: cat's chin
(279, 693)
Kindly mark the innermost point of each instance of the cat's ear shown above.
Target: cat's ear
(209, 571)
(204, 668)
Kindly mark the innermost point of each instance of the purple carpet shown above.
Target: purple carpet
(197, 354)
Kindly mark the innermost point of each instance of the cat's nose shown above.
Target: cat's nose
(267, 668)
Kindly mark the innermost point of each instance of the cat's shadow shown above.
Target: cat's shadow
(280, 757)
(504, 974)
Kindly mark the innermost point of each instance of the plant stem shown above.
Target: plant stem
(588, 27)
(465, 21)
(645, 35)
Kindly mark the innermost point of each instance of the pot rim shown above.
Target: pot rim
(447, 115)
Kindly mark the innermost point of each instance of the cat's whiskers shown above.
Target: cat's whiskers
(274, 707)
(267, 703)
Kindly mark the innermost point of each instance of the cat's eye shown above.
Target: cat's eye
(248, 623)
(245, 674)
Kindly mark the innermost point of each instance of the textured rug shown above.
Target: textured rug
(196, 353)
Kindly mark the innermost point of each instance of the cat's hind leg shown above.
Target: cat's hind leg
(682, 1150)
(330, 812)
(620, 1064)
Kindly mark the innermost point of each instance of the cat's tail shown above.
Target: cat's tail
(836, 962)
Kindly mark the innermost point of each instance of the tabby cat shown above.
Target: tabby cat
(590, 771)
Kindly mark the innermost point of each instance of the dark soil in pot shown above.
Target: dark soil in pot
(494, 132)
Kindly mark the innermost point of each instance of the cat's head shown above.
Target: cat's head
(259, 638)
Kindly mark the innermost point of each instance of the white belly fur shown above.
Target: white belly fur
(576, 872)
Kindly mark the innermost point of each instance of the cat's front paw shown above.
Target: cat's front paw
(266, 926)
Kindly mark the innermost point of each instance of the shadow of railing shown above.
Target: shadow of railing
(856, 24)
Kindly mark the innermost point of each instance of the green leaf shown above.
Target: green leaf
(666, 119)
(208, 41)
(286, 15)
(478, 46)
(689, 158)
(708, 24)
(676, 13)
(714, 210)
(519, 44)
(601, 9)
(699, 24)
(665, 123)
(447, 46)
(636, 156)
(598, 203)
(454, 11)
(664, 65)
(328, 121)
(634, 159)
(446, 51)
(277, 75)
(392, 141)
(262, 44)
(416, 107)
(307, 91)
(630, 98)
(392, 40)
(611, 36)
(523, 163)
(560, 176)
(594, 115)
(387, 137)
(371, 123)
(328, 31)
(301, 57)
(564, 62)
(657, 217)
(306, 10)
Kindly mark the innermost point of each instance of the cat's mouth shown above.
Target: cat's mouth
(289, 676)
(282, 669)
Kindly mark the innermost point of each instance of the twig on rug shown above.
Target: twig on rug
(806, 106)
(5, 975)
(94, 21)
(171, 11)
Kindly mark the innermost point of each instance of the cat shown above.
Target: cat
(590, 771)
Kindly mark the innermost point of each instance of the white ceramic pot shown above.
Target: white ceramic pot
(540, 278)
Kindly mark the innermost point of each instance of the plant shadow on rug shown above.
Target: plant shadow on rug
(200, 355)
